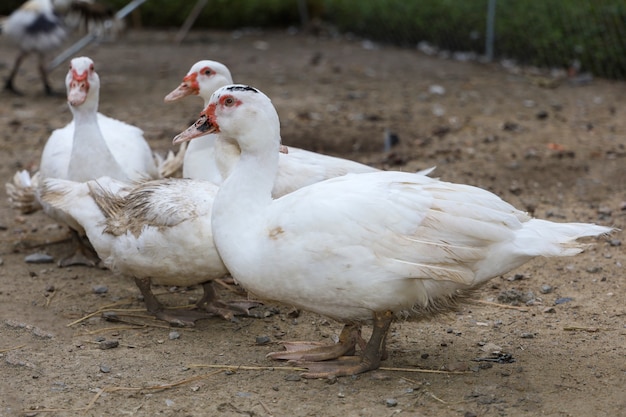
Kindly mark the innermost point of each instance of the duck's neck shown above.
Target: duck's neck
(227, 154)
(239, 207)
(91, 157)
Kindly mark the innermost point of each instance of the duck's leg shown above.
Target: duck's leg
(228, 310)
(352, 365)
(83, 254)
(313, 352)
(178, 318)
(43, 72)
(8, 85)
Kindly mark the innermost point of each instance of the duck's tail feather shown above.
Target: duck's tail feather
(22, 192)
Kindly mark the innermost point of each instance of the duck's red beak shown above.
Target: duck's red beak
(205, 125)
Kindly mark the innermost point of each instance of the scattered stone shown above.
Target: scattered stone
(1, 261)
(562, 300)
(105, 369)
(470, 414)
(511, 127)
(594, 269)
(38, 258)
(527, 335)
(174, 335)
(100, 339)
(293, 377)
(100, 289)
(424, 355)
(391, 402)
(515, 297)
(110, 316)
(491, 348)
(542, 115)
(546, 289)
(108, 344)
(612, 242)
(549, 310)
(516, 277)
(262, 340)
(437, 90)
(50, 288)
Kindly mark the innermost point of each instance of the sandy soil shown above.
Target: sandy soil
(555, 150)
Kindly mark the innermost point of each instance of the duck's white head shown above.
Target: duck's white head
(82, 82)
(238, 112)
(203, 79)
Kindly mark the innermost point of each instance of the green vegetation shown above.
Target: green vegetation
(546, 33)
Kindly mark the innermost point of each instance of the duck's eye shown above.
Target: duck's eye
(229, 102)
(91, 67)
(208, 72)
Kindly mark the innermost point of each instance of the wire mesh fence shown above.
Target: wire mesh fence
(581, 35)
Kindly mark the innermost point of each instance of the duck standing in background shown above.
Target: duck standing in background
(37, 27)
(361, 248)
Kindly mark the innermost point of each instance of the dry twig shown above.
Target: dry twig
(491, 303)
(12, 348)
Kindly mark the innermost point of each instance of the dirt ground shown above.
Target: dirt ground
(556, 149)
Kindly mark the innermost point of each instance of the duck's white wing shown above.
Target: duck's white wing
(299, 168)
(389, 240)
(162, 230)
(129, 148)
(55, 158)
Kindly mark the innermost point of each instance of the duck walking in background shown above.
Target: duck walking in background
(360, 248)
(37, 26)
(212, 159)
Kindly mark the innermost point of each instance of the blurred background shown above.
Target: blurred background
(575, 35)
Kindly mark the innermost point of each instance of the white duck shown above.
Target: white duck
(359, 248)
(211, 158)
(158, 232)
(91, 146)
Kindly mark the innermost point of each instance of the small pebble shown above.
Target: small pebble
(50, 288)
(38, 258)
(174, 335)
(293, 377)
(108, 344)
(437, 90)
(100, 289)
(100, 339)
(391, 402)
(262, 340)
(527, 336)
(105, 369)
(546, 289)
(549, 310)
(563, 300)
(594, 269)
(615, 242)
